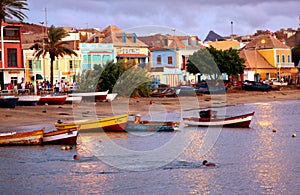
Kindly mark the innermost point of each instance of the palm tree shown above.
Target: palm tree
(11, 9)
(54, 46)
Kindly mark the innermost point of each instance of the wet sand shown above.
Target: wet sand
(49, 114)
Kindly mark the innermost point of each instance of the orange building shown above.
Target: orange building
(266, 58)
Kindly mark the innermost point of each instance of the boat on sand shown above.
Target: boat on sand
(61, 136)
(22, 138)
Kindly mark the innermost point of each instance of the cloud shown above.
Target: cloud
(195, 17)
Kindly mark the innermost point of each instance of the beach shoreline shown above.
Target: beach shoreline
(48, 114)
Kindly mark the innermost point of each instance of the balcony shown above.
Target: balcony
(285, 65)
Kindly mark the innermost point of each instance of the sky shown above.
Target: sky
(188, 17)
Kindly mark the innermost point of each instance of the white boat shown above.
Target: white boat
(61, 136)
(111, 96)
(73, 100)
(97, 96)
(28, 100)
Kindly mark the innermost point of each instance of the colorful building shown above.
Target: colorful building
(11, 62)
(266, 58)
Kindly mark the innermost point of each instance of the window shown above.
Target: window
(289, 58)
(14, 80)
(12, 57)
(38, 65)
(30, 64)
(35, 64)
(0, 55)
(71, 64)
(134, 38)
(277, 58)
(283, 58)
(158, 59)
(123, 38)
(170, 60)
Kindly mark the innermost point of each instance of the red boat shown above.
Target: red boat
(207, 119)
(52, 100)
(61, 136)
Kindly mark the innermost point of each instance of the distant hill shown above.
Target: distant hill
(212, 36)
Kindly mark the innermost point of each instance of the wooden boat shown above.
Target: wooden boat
(152, 126)
(8, 101)
(255, 86)
(61, 136)
(209, 120)
(115, 123)
(73, 100)
(111, 96)
(26, 138)
(91, 96)
(52, 100)
(28, 100)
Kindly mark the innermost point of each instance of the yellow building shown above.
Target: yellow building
(64, 68)
(266, 57)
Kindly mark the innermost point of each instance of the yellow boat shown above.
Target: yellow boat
(115, 123)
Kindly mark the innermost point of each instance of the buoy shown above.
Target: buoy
(63, 148)
(274, 130)
(294, 135)
(67, 147)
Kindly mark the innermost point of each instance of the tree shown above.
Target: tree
(54, 46)
(214, 62)
(12, 9)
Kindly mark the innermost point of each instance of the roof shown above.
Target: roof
(132, 55)
(226, 44)
(116, 39)
(266, 41)
(254, 60)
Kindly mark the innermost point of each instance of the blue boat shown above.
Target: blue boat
(8, 101)
(151, 126)
(255, 86)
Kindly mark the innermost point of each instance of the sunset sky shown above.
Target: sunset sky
(191, 17)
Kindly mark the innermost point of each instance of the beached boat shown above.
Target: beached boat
(111, 96)
(52, 100)
(91, 96)
(61, 136)
(73, 100)
(8, 101)
(207, 119)
(152, 126)
(115, 123)
(256, 86)
(28, 100)
(24, 138)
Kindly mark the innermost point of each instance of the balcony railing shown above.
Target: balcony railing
(285, 65)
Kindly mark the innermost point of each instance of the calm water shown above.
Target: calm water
(249, 161)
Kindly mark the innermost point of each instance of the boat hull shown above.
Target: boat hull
(52, 100)
(26, 138)
(236, 121)
(63, 136)
(115, 123)
(8, 101)
(151, 126)
(28, 100)
(91, 96)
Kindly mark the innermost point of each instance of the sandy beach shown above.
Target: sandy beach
(49, 114)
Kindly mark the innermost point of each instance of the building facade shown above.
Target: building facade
(11, 60)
